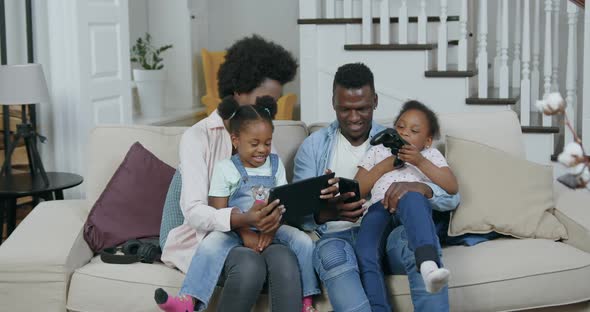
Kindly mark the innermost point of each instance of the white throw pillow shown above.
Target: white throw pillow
(501, 192)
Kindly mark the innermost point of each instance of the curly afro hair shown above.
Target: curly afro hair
(250, 61)
(433, 125)
(353, 76)
(239, 117)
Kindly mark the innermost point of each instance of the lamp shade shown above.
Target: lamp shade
(22, 84)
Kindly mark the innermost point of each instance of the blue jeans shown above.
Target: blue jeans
(335, 262)
(414, 212)
(209, 259)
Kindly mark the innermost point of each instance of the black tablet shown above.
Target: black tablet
(301, 198)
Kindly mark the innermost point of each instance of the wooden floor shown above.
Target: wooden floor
(21, 213)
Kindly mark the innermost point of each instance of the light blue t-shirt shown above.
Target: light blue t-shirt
(226, 177)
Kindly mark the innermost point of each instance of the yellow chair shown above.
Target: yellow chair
(285, 106)
(211, 62)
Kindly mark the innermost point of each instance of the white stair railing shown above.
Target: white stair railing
(525, 83)
(330, 9)
(547, 69)
(503, 77)
(384, 22)
(517, 33)
(403, 22)
(442, 37)
(462, 53)
(496, 72)
(482, 53)
(367, 26)
(422, 19)
(571, 73)
(535, 74)
(555, 52)
(586, 80)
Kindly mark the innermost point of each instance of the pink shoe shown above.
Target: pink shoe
(309, 308)
(173, 303)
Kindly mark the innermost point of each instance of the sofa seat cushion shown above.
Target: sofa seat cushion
(511, 274)
(518, 274)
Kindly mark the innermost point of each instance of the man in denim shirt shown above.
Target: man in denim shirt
(339, 147)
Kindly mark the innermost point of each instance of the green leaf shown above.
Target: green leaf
(160, 67)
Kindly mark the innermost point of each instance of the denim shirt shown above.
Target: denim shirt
(313, 158)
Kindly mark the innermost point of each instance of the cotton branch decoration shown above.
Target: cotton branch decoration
(573, 155)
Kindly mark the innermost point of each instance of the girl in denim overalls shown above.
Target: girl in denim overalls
(238, 182)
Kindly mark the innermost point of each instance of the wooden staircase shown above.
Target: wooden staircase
(458, 41)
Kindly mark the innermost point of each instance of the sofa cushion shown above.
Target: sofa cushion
(131, 204)
(501, 193)
(517, 271)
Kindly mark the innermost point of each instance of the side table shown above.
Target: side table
(23, 184)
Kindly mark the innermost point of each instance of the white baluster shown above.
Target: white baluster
(422, 23)
(498, 44)
(586, 80)
(347, 9)
(555, 52)
(384, 22)
(525, 84)
(330, 8)
(462, 53)
(548, 57)
(403, 22)
(482, 55)
(442, 37)
(516, 61)
(504, 78)
(535, 75)
(367, 25)
(571, 74)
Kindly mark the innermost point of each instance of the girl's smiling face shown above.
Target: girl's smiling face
(413, 127)
(253, 142)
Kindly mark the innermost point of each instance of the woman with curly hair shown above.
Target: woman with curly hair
(253, 67)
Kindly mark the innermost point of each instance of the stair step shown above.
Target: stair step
(358, 20)
(494, 98)
(539, 129)
(451, 72)
(394, 46)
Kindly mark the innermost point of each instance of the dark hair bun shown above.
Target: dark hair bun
(266, 105)
(228, 107)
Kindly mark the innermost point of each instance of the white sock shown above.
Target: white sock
(435, 278)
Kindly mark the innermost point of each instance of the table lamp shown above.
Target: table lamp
(24, 84)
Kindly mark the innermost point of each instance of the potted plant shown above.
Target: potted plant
(150, 77)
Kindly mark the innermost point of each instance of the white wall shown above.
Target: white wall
(276, 20)
(169, 23)
(16, 44)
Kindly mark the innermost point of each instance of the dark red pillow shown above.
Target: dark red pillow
(131, 204)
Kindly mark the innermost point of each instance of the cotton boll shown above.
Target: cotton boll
(555, 101)
(552, 104)
(578, 169)
(541, 104)
(570, 155)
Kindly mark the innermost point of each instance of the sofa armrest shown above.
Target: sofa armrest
(572, 210)
(41, 254)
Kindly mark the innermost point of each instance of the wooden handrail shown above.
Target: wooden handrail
(580, 3)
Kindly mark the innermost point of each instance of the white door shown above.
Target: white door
(105, 74)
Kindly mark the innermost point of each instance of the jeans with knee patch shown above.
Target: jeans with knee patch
(335, 262)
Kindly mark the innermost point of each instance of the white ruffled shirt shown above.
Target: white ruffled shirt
(408, 173)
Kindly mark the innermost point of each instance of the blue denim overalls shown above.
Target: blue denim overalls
(209, 259)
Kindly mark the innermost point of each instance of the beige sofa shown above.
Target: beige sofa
(46, 265)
